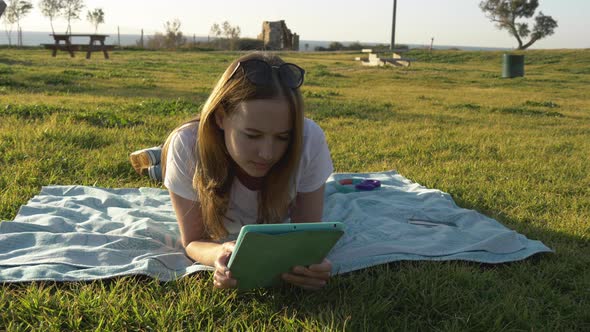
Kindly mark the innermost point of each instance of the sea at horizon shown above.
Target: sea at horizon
(35, 38)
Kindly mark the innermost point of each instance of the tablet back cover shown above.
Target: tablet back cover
(262, 258)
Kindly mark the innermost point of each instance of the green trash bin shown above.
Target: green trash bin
(513, 66)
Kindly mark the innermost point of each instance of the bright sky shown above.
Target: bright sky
(451, 22)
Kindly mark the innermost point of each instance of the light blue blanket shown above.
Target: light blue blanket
(82, 233)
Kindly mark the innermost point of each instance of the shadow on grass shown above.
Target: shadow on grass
(82, 140)
(116, 117)
(529, 108)
(542, 292)
(321, 109)
(13, 62)
(87, 81)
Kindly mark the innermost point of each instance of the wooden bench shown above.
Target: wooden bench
(71, 48)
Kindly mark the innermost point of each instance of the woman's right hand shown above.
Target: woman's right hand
(222, 277)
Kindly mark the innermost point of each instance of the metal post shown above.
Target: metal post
(391, 47)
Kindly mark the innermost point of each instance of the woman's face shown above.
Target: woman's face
(257, 134)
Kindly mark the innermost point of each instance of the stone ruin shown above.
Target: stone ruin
(276, 36)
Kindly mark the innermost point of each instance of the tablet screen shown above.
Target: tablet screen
(264, 251)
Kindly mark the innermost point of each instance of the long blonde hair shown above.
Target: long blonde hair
(215, 169)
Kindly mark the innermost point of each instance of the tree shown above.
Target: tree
(335, 46)
(95, 17)
(505, 13)
(71, 11)
(231, 33)
(357, 46)
(171, 38)
(15, 11)
(9, 20)
(157, 41)
(51, 9)
(215, 30)
(23, 7)
(174, 37)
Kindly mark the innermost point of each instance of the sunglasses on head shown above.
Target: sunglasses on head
(259, 72)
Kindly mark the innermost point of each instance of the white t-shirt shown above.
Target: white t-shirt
(315, 167)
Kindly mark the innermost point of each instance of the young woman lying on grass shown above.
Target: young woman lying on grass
(249, 157)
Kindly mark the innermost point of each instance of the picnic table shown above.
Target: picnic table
(70, 47)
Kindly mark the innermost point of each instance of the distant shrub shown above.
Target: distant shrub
(356, 46)
(156, 42)
(336, 46)
(451, 57)
(245, 44)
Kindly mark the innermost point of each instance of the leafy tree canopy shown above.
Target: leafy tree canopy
(71, 11)
(96, 17)
(51, 9)
(505, 14)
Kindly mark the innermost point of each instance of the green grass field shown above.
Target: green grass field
(515, 149)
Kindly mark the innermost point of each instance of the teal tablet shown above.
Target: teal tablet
(264, 251)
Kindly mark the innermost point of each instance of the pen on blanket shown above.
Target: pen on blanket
(427, 222)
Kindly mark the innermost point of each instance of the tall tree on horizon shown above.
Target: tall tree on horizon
(9, 19)
(174, 37)
(95, 17)
(71, 11)
(232, 33)
(216, 32)
(15, 11)
(23, 7)
(505, 13)
(51, 9)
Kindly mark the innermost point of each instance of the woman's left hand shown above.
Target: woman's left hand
(313, 277)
